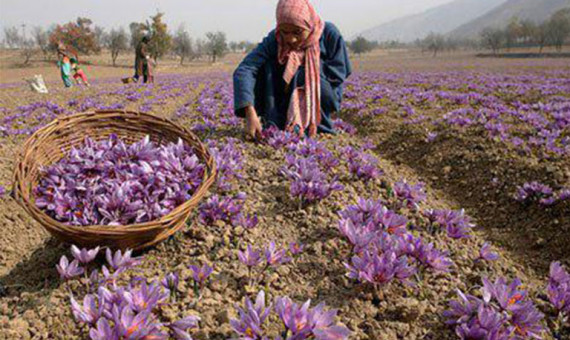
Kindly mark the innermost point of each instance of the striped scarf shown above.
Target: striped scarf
(305, 105)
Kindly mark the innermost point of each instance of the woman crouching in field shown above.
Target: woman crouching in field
(293, 79)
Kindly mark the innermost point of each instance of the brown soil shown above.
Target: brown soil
(35, 304)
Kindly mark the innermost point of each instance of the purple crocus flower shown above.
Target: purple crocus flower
(90, 312)
(558, 289)
(136, 326)
(201, 274)
(84, 256)
(180, 328)
(252, 317)
(461, 310)
(412, 195)
(250, 257)
(563, 195)
(390, 221)
(247, 222)
(503, 312)
(431, 257)
(120, 260)
(308, 182)
(533, 191)
(295, 317)
(557, 274)
(145, 297)
(359, 237)
(507, 296)
(304, 322)
(364, 166)
(323, 327)
(103, 331)
(68, 270)
(275, 257)
(171, 282)
(343, 126)
(380, 269)
(456, 223)
(296, 248)
(487, 254)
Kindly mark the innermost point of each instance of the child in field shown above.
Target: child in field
(64, 65)
(78, 72)
(294, 78)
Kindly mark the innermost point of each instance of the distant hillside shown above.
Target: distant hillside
(441, 19)
(536, 10)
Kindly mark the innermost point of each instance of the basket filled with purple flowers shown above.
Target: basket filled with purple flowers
(112, 178)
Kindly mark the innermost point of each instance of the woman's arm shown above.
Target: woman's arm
(246, 74)
(336, 65)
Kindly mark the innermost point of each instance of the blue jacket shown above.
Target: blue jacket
(258, 80)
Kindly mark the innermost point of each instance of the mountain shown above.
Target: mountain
(536, 10)
(441, 19)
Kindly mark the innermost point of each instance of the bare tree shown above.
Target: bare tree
(558, 28)
(27, 50)
(100, 35)
(182, 44)
(216, 45)
(528, 32)
(512, 32)
(117, 41)
(199, 49)
(12, 37)
(41, 38)
(541, 36)
(434, 43)
(492, 38)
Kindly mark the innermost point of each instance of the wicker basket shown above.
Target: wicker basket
(49, 144)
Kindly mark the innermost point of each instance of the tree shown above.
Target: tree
(160, 41)
(247, 46)
(199, 49)
(513, 32)
(541, 36)
(100, 35)
(360, 45)
(27, 50)
(558, 28)
(77, 35)
(182, 44)
(234, 46)
(434, 43)
(41, 38)
(528, 32)
(492, 38)
(216, 45)
(138, 30)
(117, 41)
(12, 37)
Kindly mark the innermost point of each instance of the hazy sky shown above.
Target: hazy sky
(240, 19)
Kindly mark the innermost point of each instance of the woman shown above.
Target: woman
(142, 61)
(293, 79)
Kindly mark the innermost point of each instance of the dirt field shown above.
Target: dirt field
(461, 168)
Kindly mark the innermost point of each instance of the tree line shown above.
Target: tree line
(553, 32)
(85, 38)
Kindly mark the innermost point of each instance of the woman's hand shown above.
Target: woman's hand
(252, 123)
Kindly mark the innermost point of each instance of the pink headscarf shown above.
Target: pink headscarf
(305, 106)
